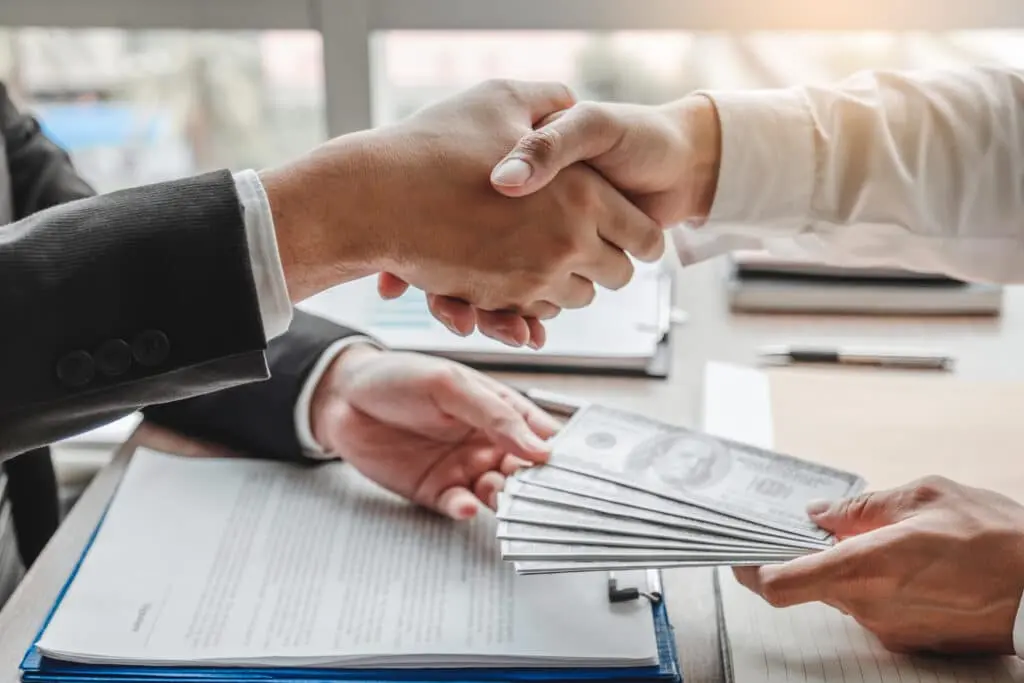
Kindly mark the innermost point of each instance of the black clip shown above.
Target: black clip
(616, 594)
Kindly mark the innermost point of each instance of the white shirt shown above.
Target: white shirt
(918, 170)
(272, 293)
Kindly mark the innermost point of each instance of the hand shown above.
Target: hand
(411, 199)
(436, 432)
(665, 159)
(932, 566)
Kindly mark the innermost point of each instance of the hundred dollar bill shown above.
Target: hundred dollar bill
(524, 490)
(525, 551)
(564, 566)
(582, 490)
(717, 474)
(522, 531)
(512, 509)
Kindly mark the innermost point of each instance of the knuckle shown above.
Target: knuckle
(447, 380)
(501, 423)
(929, 489)
(773, 593)
(593, 117)
(540, 145)
(504, 86)
(857, 506)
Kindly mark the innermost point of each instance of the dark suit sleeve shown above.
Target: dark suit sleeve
(41, 173)
(120, 301)
(258, 419)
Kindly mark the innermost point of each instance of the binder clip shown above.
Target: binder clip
(627, 594)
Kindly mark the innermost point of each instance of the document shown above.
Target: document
(620, 329)
(253, 563)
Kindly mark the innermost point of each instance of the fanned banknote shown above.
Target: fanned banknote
(623, 491)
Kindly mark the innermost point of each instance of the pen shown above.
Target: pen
(923, 360)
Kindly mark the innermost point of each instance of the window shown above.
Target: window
(412, 68)
(135, 107)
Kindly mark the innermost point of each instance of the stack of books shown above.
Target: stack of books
(228, 570)
(759, 282)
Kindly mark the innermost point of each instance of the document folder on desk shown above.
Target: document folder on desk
(627, 331)
(234, 570)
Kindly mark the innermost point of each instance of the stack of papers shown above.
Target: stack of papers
(245, 570)
(623, 491)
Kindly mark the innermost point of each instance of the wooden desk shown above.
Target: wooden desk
(985, 349)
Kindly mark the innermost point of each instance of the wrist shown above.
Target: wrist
(322, 217)
(333, 387)
(696, 119)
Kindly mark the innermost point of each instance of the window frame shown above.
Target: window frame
(347, 25)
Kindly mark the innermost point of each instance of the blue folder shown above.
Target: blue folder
(36, 668)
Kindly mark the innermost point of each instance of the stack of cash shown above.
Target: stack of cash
(623, 491)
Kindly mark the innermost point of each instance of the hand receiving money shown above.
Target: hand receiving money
(622, 491)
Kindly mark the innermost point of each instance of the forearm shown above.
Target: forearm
(124, 300)
(918, 169)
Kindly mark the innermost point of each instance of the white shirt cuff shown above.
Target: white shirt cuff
(1018, 630)
(303, 422)
(267, 272)
(766, 178)
(767, 167)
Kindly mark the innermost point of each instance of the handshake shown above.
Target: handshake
(505, 203)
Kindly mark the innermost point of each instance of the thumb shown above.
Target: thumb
(582, 133)
(856, 515)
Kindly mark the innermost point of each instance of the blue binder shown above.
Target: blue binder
(35, 668)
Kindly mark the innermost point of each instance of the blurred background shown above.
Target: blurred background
(139, 91)
(136, 105)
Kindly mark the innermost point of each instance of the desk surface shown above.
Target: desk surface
(985, 348)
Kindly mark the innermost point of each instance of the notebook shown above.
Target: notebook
(246, 570)
(814, 642)
(758, 282)
(625, 331)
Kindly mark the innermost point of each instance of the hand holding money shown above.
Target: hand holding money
(622, 491)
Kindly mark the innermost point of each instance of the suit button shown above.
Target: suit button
(114, 357)
(151, 347)
(76, 369)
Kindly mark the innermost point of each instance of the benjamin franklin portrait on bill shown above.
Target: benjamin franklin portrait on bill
(679, 460)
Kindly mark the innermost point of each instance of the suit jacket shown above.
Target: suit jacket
(139, 299)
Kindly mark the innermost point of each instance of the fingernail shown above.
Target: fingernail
(818, 507)
(532, 442)
(533, 345)
(466, 511)
(447, 322)
(512, 173)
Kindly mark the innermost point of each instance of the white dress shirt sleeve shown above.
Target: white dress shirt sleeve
(271, 288)
(303, 417)
(918, 170)
(274, 302)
